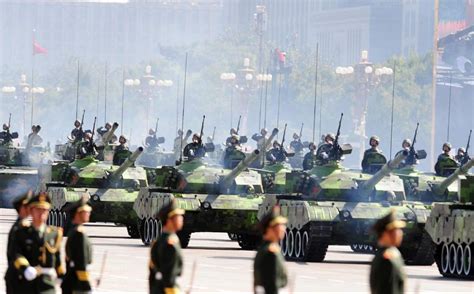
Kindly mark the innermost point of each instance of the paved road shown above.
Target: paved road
(222, 267)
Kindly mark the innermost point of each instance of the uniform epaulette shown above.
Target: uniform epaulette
(25, 223)
(172, 240)
(274, 248)
(390, 253)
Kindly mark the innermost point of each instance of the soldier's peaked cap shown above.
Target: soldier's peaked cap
(80, 205)
(169, 210)
(41, 200)
(272, 218)
(387, 223)
(22, 200)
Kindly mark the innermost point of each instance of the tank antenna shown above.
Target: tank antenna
(184, 104)
(393, 106)
(315, 91)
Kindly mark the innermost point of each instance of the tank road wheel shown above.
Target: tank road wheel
(304, 244)
(444, 260)
(60, 219)
(452, 259)
(298, 245)
(467, 263)
(316, 249)
(153, 229)
(354, 247)
(460, 260)
(291, 244)
(184, 238)
(144, 232)
(284, 245)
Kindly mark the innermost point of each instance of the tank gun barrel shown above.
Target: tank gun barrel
(108, 136)
(227, 181)
(463, 169)
(385, 170)
(268, 142)
(128, 163)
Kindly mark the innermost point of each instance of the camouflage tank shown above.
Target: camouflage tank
(18, 171)
(215, 200)
(337, 206)
(451, 228)
(112, 190)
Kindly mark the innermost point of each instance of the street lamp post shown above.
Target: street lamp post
(229, 78)
(264, 79)
(365, 79)
(146, 87)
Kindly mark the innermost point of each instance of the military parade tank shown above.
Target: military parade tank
(338, 206)
(451, 228)
(111, 189)
(215, 199)
(17, 175)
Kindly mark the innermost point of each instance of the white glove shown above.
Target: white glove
(30, 273)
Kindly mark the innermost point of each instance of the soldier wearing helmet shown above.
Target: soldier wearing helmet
(296, 144)
(102, 130)
(412, 158)
(233, 132)
(5, 135)
(121, 151)
(277, 153)
(88, 147)
(445, 160)
(368, 154)
(325, 150)
(77, 134)
(462, 157)
(233, 152)
(195, 149)
(310, 157)
(151, 142)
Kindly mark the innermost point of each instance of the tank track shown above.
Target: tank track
(363, 248)
(423, 254)
(307, 244)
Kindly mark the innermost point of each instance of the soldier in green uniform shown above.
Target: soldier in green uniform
(374, 148)
(269, 272)
(11, 275)
(166, 260)
(445, 159)
(78, 251)
(37, 250)
(310, 157)
(387, 275)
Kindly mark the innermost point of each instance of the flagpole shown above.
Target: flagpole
(32, 79)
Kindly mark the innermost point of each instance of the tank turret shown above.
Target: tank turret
(384, 171)
(128, 163)
(227, 180)
(440, 188)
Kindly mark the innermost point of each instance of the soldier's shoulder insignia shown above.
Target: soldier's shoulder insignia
(391, 253)
(273, 248)
(172, 240)
(25, 223)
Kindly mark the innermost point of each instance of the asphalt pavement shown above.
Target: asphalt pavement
(221, 266)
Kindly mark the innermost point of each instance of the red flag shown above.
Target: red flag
(37, 49)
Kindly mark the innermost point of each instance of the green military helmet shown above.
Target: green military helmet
(296, 136)
(271, 219)
(375, 138)
(263, 131)
(387, 223)
(22, 200)
(41, 200)
(447, 144)
(461, 149)
(169, 210)
(235, 137)
(406, 141)
(122, 139)
(80, 205)
(233, 131)
(151, 132)
(312, 146)
(330, 136)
